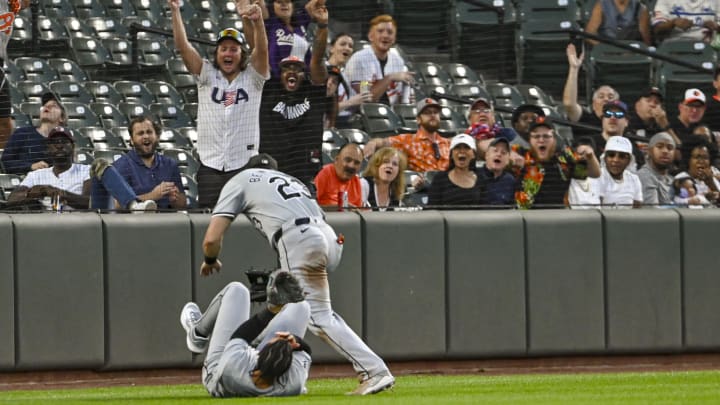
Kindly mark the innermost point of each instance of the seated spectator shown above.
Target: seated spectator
(522, 117)
(545, 177)
(690, 113)
(286, 31)
(338, 85)
(686, 193)
(341, 177)
(685, 19)
(620, 20)
(655, 174)
(380, 66)
(614, 123)
(497, 184)
(27, 150)
(695, 163)
(66, 184)
(383, 183)
(151, 175)
(619, 187)
(584, 193)
(426, 149)
(458, 186)
(649, 116)
(575, 112)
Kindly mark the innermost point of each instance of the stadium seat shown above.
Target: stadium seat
(408, 115)
(8, 183)
(71, 91)
(109, 115)
(191, 189)
(191, 110)
(182, 79)
(85, 9)
(627, 72)
(433, 90)
(505, 95)
(207, 9)
(120, 61)
(91, 55)
(144, 22)
(354, 135)
(463, 74)
(107, 27)
(133, 110)
(77, 28)
(54, 38)
(33, 91)
(189, 133)
(32, 110)
(82, 140)
(36, 69)
(122, 132)
(134, 91)
(12, 72)
(83, 156)
(148, 8)
(535, 95)
(227, 8)
(80, 115)
(102, 138)
(186, 161)
(432, 73)
(20, 119)
(68, 69)
(21, 37)
(111, 155)
(16, 96)
(170, 138)
(203, 28)
(469, 91)
(118, 8)
(171, 116)
(103, 92)
(332, 142)
(57, 8)
(451, 122)
(164, 92)
(379, 120)
(230, 22)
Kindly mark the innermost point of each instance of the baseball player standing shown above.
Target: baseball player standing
(233, 367)
(281, 208)
(8, 10)
(229, 93)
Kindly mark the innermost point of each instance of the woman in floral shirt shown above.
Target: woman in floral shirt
(544, 179)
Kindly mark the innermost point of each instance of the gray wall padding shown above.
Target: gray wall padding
(405, 283)
(565, 282)
(486, 283)
(59, 295)
(643, 267)
(7, 294)
(148, 282)
(701, 278)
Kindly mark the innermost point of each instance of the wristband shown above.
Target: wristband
(321, 25)
(210, 260)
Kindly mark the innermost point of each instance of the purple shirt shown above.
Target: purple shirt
(283, 42)
(143, 179)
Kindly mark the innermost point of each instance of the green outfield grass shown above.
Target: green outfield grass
(648, 388)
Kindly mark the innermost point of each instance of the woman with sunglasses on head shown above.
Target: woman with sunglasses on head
(229, 93)
(458, 186)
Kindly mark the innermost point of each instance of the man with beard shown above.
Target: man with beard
(341, 177)
(426, 149)
(545, 178)
(27, 150)
(293, 108)
(619, 187)
(655, 175)
(152, 176)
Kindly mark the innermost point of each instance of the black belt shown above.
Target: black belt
(300, 221)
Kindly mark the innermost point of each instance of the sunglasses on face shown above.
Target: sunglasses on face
(613, 154)
(616, 114)
(436, 150)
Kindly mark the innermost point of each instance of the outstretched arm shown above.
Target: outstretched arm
(318, 12)
(255, 35)
(572, 108)
(190, 55)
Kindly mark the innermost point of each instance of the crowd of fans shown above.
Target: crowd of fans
(278, 85)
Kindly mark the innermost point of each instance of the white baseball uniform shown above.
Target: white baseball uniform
(282, 209)
(229, 362)
(365, 66)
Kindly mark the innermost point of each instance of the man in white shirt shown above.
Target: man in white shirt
(619, 188)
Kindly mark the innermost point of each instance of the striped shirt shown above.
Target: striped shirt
(365, 66)
(70, 180)
(228, 122)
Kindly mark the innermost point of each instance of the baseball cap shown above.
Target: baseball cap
(49, 96)
(541, 122)
(263, 161)
(292, 59)
(694, 95)
(615, 104)
(653, 91)
(463, 139)
(481, 100)
(526, 108)
(618, 144)
(426, 102)
(231, 33)
(61, 132)
(497, 140)
(661, 137)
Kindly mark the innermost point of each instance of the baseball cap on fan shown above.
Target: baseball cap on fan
(231, 33)
(425, 103)
(694, 95)
(61, 132)
(292, 59)
(619, 144)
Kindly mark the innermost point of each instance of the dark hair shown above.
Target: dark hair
(691, 143)
(244, 58)
(341, 34)
(274, 359)
(142, 118)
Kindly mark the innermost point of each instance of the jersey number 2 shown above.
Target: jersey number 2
(291, 189)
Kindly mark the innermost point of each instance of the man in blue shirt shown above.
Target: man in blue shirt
(151, 175)
(26, 150)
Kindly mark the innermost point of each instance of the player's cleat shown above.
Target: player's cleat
(375, 384)
(138, 207)
(189, 317)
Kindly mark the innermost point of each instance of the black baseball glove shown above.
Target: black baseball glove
(258, 284)
(284, 288)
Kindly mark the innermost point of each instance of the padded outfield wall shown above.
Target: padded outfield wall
(104, 292)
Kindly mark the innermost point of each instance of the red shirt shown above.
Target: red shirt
(328, 185)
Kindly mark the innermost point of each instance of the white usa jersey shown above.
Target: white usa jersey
(228, 122)
(268, 198)
(364, 65)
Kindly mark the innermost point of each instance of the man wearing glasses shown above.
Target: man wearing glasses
(426, 149)
(614, 123)
(619, 188)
